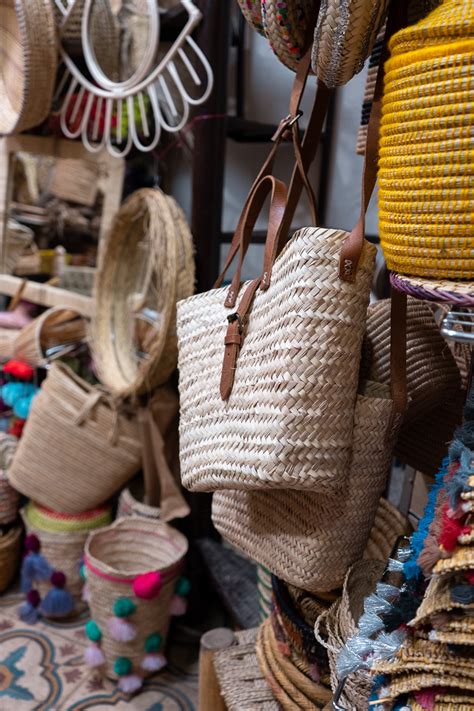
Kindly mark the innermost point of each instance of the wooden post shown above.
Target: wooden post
(210, 698)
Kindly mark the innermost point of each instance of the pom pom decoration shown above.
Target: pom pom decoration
(450, 531)
(22, 407)
(28, 611)
(147, 586)
(123, 607)
(16, 427)
(183, 586)
(57, 601)
(153, 662)
(121, 630)
(153, 643)
(179, 605)
(92, 631)
(93, 656)
(19, 369)
(85, 594)
(12, 392)
(131, 683)
(34, 567)
(122, 666)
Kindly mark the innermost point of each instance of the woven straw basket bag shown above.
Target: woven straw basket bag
(139, 560)
(55, 327)
(426, 194)
(10, 552)
(62, 538)
(267, 418)
(28, 63)
(344, 36)
(149, 246)
(78, 448)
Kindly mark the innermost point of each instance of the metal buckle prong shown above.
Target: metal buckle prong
(231, 318)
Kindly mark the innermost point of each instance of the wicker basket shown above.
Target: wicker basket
(426, 193)
(62, 538)
(78, 447)
(55, 327)
(10, 552)
(9, 498)
(29, 64)
(148, 220)
(116, 559)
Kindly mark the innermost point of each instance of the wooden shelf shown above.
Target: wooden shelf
(46, 295)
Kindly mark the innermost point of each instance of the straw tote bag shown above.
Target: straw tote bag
(78, 447)
(276, 406)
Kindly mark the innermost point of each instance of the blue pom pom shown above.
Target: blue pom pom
(34, 568)
(57, 603)
(22, 406)
(11, 392)
(27, 613)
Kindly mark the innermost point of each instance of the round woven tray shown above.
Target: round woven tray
(460, 293)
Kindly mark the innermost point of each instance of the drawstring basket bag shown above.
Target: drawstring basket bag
(133, 570)
(79, 446)
(51, 569)
(426, 198)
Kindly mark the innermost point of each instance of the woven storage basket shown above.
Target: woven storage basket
(78, 447)
(55, 327)
(62, 538)
(28, 63)
(288, 26)
(149, 243)
(426, 191)
(114, 558)
(304, 538)
(10, 553)
(9, 498)
(335, 626)
(344, 36)
(285, 424)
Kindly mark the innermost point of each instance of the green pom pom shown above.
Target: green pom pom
(122, 666)
(153, 643)
(123, 607)
(183, 586)
(83, 573)
(93, 631)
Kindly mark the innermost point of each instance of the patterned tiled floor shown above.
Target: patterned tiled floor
(41, 669)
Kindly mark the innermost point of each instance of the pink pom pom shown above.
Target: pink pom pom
(93, 656)
(85, 594)
(121, 630)
(130, 683)
(153, 662)
(147, 586)
(179, 605)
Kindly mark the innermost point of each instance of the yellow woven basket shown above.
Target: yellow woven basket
(426, 196)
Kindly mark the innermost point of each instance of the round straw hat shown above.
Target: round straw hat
(344, 36)
(28, 64)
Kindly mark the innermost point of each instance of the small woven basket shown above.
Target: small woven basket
(55, 327)
(62, 539)
(115, 557)
(10, 552)
(29, 61)
(426, 146)
(130, 504)
(9, 498)
(78, 446)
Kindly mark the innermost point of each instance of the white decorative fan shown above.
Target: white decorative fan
(154, 89)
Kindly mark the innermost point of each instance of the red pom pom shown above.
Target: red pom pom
(19, 370)
(33, 598)
(16, 427)
(58, 579)
(32, 543)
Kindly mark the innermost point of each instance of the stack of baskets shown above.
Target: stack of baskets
(426, 193)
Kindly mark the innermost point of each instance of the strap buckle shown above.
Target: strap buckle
(285, 124)
(232, 318)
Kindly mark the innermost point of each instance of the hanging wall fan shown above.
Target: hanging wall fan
(120, 113)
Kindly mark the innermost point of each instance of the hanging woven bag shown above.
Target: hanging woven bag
(78, 448)
(344, 36)
(267, 417)
(426, 193)
(133, 568)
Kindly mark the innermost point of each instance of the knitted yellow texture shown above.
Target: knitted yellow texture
(426, 164)
(38, 518)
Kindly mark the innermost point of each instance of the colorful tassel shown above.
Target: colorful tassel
(93, 656)
(121, 630)
(28, 611)
(57, 601)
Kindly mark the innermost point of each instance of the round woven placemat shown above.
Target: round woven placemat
(453, 292)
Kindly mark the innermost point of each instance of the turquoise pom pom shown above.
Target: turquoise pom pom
(153, 643)
(93, 631)
(122, 666)
(183, 587)
(123, 607)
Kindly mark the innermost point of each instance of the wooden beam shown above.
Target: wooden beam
(47, 295)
